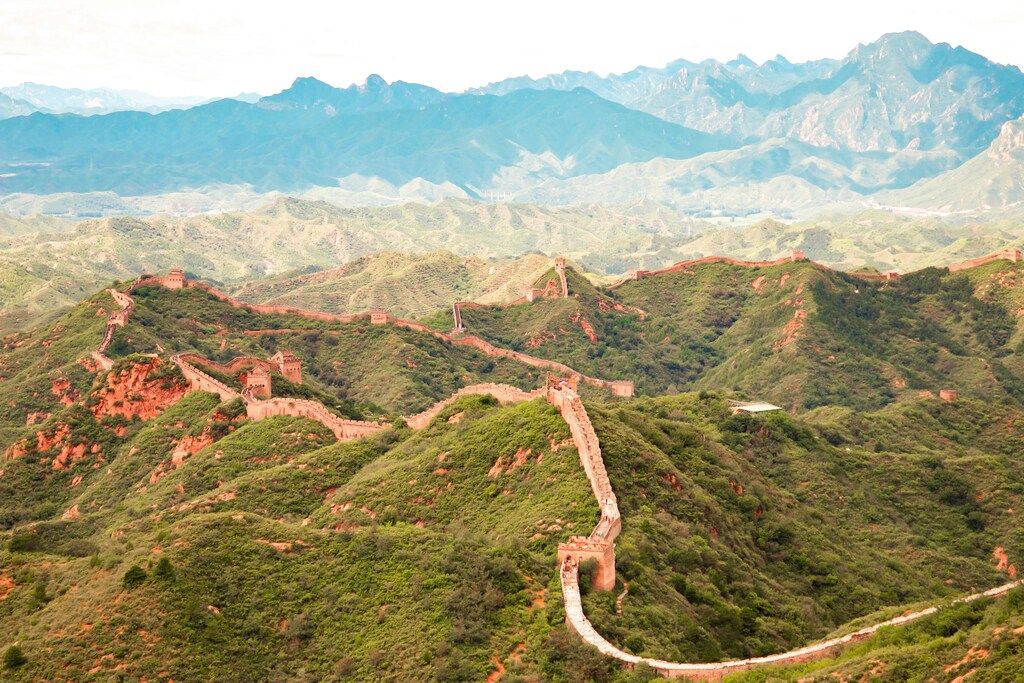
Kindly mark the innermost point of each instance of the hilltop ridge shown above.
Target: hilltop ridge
(243, 507)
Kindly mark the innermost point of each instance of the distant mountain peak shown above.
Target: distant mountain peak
(1009, 140)
(309, 83)
(742, 62)
(907, 46)
(374, 82)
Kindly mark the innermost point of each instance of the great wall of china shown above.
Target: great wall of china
(559, 392)
(1012, 254)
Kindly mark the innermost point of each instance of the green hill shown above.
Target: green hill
(794, 334)
(404, 284)
(150, 532)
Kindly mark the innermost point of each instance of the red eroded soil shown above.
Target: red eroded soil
(131, 392)
(585, 325)
(61, 388)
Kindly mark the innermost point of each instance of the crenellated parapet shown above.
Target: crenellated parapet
(1013, 255)
(622, 388)
(504, 393)
(258, 405)
(600, 545)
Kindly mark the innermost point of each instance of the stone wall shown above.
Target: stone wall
(505, 394)
(199, 380)
(600, 545)
(1013, 255)
(342, 428)
(257, 409)
(682, 265)
(560, 269)
(617, 387)
(713, 671)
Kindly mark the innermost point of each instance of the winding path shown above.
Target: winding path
(598, 545)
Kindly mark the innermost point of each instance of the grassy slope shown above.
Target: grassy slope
(377, 367)
(404, 556)
(407, 558)
(859, 344)
(405, 284)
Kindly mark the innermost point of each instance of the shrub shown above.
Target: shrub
(135, 576)
(164, 570)
(14, 657)
(23, 543)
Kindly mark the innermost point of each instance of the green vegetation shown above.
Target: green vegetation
(360, 368)
(792, 334)
(981, 640)
(14, 657)
(194, 542)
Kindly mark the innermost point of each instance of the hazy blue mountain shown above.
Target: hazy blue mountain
(11, 106)
(898, 92)
(52, 99)
(312, 134)
(992, 180)
(372, 96)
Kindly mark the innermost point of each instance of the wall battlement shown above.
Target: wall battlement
(624, 388)
(506, 395)
(1013, 255)
(600, 545)
(257, 409)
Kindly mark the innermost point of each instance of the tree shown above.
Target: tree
(14, 657)
(164, 570)
(135, 576)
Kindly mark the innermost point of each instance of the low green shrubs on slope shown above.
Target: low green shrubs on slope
(793, 334)
(746, 536)
(367, 368)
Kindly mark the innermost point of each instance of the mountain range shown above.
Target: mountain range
(730, 137)
(27, 97)
(900, 92)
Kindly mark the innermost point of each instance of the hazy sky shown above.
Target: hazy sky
(222, 47)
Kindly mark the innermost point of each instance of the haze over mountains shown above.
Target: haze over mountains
(26, 98)
(730, 138)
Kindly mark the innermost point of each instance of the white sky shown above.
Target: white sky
(223, 47)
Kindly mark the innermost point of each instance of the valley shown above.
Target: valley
(709, 371)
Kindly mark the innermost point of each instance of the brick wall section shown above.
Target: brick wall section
(115, 320)
(314, 410)
(560, 269)
(617, 387)
(257, 409)
(714, 671)
(505, 394)
(1014, 255)
(199, 380)
(600, 545)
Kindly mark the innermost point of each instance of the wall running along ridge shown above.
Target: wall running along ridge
(599, 545)
(1013, 255)
(260, 409)
(115, 320)
(617, 387)
(505, 394)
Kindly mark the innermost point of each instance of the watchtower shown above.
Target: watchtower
(257, 382)
(288, 365)
(175, 279)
